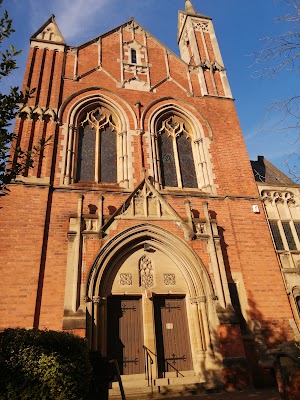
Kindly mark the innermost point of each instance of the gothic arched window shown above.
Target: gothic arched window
(177, 166)
(97, 147)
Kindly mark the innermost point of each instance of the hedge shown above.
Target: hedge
(43, 365)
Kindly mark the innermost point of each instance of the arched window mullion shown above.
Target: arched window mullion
(155, 157)
(202, 174)
(120, 154)
(124, 154)
(197, 162)
(177, 162)
(97, 155)
(205, 173)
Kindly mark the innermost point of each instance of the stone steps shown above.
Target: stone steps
(262, 394)
(137, 387)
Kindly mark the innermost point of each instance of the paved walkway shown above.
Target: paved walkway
(249, 395)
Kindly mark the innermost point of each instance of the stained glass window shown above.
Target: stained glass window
(177, 164)
(86, 154)
(108, 156)
(186, 161)
(167, 161)
(97, 148)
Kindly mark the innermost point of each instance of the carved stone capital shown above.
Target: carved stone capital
(217, 240)
(96, 300)
(71, 235)
(198, 141)
(198, 300)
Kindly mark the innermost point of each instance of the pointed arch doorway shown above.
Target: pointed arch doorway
(142, 288)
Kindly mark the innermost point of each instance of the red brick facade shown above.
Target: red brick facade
(38, 240)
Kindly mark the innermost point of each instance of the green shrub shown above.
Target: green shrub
(43, 365)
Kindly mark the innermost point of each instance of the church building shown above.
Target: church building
(141, 226)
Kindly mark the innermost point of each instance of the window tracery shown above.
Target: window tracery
(95, 128)
(177, 165)
(97, 147)
(282, 208)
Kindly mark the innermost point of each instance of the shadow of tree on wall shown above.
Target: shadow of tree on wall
(259, 334)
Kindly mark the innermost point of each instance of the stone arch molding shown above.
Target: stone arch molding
(77, 106)
(191, 266)
(199, 293)
(200, 143)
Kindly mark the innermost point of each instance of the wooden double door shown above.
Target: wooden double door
(172, 336)
(125, 334)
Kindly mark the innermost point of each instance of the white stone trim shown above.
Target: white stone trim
(197, 280)
(69, 141)
(200, 145)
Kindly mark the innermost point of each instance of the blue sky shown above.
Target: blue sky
(239, 25)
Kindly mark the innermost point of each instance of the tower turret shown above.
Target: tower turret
(199, 48)
(189, 7)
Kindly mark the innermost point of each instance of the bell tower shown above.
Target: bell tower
(199, 48)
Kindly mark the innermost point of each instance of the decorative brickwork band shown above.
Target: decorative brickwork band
(41, 113)
(200, 26)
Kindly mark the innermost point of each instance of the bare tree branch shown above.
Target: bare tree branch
(281, 53)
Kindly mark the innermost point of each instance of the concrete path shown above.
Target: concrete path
(249, 395)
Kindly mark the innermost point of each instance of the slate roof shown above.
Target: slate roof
(265, 172)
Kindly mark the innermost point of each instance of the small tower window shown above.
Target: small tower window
(133, 56)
